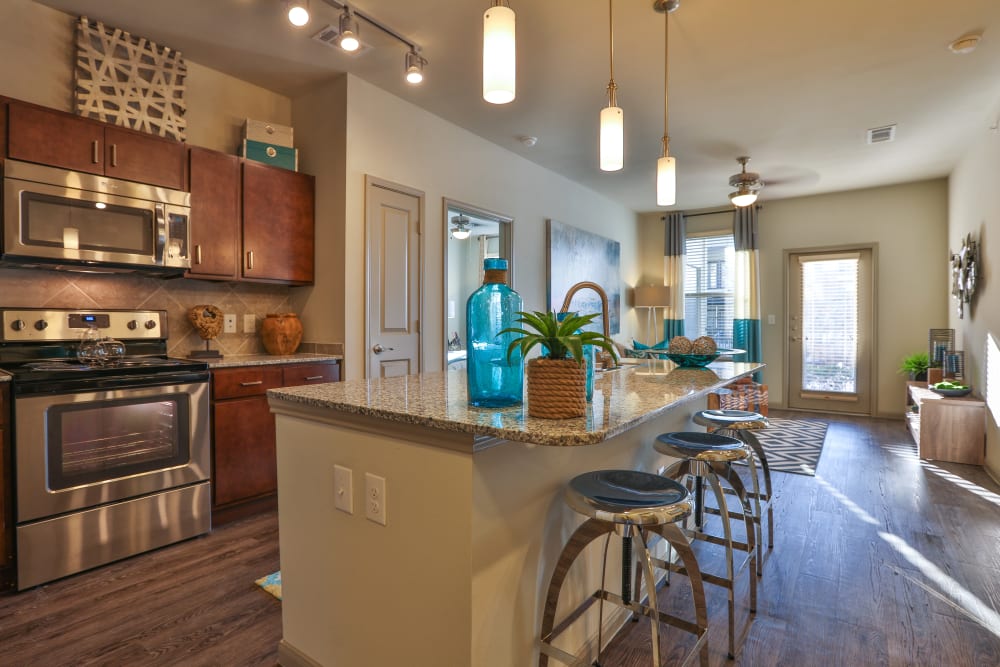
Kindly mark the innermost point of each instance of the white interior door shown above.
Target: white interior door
(392, 223)
(831, 330)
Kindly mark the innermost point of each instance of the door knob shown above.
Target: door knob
(378, 349)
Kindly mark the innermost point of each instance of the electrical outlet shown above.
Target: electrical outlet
(249, 323)
(229, 323)
(343, 489)
(770, 319)
(375, 498)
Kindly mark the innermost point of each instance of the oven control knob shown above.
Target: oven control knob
(17, 325)
(150, 324)
(132, 324)
(41, 325)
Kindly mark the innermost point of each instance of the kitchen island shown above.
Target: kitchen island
(472, 505)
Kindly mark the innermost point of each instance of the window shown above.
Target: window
(708, 287)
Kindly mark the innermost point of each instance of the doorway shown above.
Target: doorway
(831, 330)
(471, 234)
(392, 230)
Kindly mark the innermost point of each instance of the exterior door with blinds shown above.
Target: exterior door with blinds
(831, 330)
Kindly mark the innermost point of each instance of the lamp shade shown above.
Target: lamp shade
(612, 139)
(666, 181)
(499, 55)
(653, 296)
(742, 197)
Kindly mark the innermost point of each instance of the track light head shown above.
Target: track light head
(349, 31)
(414, 67)
(298, 12)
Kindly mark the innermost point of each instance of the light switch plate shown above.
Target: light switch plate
(375, 498)
(249, 323)
(229, 323)
(343, 489)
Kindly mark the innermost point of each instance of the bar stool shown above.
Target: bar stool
(741, 424)
(627, 502)
(708, 456)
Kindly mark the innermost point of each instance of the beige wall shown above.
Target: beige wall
(974, 208)
(391, 139)
(908, 223)
(37, 46)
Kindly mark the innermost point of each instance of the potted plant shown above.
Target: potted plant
(557, 380)
(916, 366)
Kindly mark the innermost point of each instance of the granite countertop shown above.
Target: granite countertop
(623, 399)
(237, 360)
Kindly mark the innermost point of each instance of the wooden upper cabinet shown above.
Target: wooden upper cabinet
(278, 210)
(55, 138)
(215, 214)
(59, 139)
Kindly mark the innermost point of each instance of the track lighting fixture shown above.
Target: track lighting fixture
(414, 67)
(298, 12)
(349, 31)
(499, 53)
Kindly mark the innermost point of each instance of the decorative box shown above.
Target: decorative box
(268, 133)
(272, 154)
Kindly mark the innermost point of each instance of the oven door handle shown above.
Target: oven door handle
(78, 385)
(160, 216)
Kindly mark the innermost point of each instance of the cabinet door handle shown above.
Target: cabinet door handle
(197, 254)
(251, 384)
(95, 155)
(250, 260)
(114, 155)
(314, 377)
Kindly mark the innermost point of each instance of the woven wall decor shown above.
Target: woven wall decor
(129, 81)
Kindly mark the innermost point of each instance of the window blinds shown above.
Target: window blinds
(708, 287)
(829, 303)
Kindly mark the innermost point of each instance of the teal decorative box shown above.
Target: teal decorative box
(272, 154)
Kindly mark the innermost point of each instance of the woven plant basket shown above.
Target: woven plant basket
(557, 389)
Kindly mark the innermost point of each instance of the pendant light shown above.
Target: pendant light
(499, 53)
(612, 138)
(666, 166)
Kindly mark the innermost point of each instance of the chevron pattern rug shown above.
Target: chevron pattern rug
(793, 445)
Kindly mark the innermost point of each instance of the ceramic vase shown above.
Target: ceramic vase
(281, 333)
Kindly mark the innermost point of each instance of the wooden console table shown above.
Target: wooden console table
(946, 428)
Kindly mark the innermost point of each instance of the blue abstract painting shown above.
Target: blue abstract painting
(575, 255)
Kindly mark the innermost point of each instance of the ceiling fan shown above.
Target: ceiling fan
(462, 228)
(747, 184)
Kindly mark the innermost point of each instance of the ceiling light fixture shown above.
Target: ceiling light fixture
(747, 184)
(414, 67)
(499, 53)
(349, 31)
(666, 166)
(965, 44)
(612, 137)
(298, 12)
(461, 229)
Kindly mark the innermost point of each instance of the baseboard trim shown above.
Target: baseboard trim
(289, 656)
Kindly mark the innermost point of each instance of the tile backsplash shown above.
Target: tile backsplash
(39, 288)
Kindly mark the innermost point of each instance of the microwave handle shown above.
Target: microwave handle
(161, 231)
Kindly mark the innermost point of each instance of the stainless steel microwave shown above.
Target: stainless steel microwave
(56, 218)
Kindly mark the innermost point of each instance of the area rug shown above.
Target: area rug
(271, 583)
(793, 445)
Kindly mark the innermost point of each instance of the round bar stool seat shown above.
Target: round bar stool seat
(708, 456)
(630, 503)
(741, 425)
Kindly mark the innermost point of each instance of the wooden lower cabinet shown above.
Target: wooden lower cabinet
(244, 466)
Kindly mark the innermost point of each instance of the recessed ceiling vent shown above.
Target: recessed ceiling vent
(330, 35)
(881, 135)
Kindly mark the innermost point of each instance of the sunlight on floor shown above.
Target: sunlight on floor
(949, 590)
(910, 454)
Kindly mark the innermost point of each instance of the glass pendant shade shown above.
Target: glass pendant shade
(499, 55)
(666, 181)
(612, 139)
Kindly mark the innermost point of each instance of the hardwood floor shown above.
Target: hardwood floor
(880, 559)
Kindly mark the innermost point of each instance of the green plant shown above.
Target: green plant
(561, 339)
(915, 364)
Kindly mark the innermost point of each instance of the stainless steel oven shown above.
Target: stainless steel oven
(110, 460)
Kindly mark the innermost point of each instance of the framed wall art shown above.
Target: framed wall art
(575, 256)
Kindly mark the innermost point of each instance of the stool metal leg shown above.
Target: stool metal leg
(600, 603)
(654, 622)
(754, 443)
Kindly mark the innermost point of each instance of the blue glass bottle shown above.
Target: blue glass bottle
(493, 382)
(589, 359)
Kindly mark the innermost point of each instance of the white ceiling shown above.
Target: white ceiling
(792, 83)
